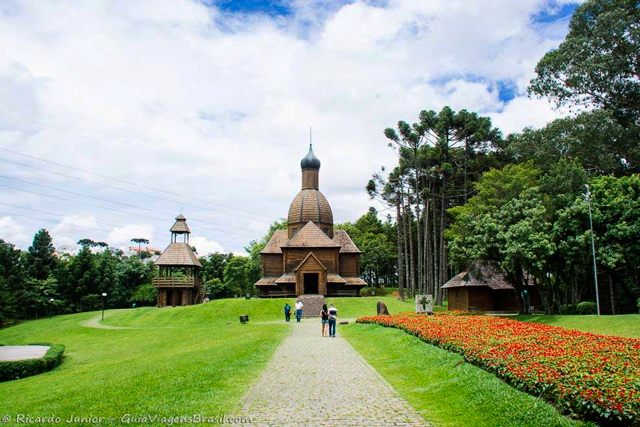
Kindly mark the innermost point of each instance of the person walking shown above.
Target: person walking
(333, 317)
(325, 320)
(287, 312)
(299, 307)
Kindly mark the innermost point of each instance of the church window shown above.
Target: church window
(295, 231)
(326, 231)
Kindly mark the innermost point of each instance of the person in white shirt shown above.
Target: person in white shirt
(333, 317)
(299, 307)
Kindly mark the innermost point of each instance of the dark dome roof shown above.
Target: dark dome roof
(310, 205)
(310, 161)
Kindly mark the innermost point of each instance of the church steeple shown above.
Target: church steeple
(310, 165)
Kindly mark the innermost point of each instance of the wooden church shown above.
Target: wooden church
(310, 257)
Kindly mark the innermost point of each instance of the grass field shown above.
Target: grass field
(442, 387)
(257, 309)
(188, 360)
(625, 325)
(202, 367)
(174, 361)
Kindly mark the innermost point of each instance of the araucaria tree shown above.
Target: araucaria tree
(440, 156)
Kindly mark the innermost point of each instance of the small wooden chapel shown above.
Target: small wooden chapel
(310, 257)
(179, 281)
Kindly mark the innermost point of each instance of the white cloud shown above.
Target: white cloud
(206, 246)
(175, 95)
(13, 232)
(120, 237)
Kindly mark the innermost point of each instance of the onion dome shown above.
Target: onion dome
(310, 205)
(310, 161)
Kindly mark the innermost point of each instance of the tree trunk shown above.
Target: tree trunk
(612, 294)
(434, 258)
(420, 285)
(427, 251)
(406, 235)
(443, 255)
(412, 275)
(400, 254)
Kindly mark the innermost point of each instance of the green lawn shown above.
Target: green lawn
(625, 325)
(198, 367)
(442, 387)
(257, 309)
(171, 361)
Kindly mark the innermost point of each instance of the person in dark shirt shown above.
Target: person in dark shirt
(325, 320)
(287, 312)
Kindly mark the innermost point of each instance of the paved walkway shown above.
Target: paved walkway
(22, 352)
(316, 381)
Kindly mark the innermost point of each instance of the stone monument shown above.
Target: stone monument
(424, 303)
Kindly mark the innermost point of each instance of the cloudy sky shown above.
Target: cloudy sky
(117, 115)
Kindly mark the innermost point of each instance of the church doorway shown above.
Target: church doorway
(311, 283)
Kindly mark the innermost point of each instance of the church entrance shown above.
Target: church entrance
(311, 283)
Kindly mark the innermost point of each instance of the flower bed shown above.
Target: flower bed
(593, 375)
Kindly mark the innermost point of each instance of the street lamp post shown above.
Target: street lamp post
(593, 248)
(51, 309)
(104, 295)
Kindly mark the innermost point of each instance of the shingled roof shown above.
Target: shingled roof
(266, 281)
(310, 236)
(342, 238)
(277, 240)
(180, 226)
(178, 254)
(480, 275)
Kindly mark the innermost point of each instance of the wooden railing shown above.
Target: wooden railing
(177, 282)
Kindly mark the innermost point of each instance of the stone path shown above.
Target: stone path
(22, 352)
(316, 381)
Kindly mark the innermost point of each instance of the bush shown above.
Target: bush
(91, 302)
(586, 307)
(568, 309)
(13, 370)
(145, 295)
(638, 305)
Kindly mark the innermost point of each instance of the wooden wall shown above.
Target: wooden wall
(272, 265)
(310, 178)
(293, 257)
(457, 299)
(481, 297)
(349, 265)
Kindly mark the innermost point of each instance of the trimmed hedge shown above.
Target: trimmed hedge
(586, 307)
(16, 369)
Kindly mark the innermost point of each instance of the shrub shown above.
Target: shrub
(145, 295)
(568, 309)
(16, 369)
(91, 302)
(586, 307)
(638, 305)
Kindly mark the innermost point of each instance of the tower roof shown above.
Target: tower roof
(178, 255)
(310, 161)
(180, 225)
(310, 205)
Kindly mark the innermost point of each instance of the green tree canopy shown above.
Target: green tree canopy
(598, 64)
